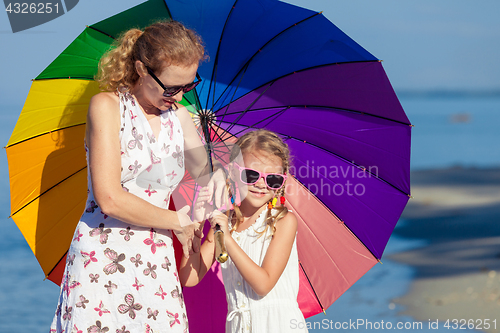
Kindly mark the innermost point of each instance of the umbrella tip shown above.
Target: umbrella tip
(321, 12)
(324, 311)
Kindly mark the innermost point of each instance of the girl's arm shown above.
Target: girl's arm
(263, 278)
(102, 139)
(194, 268)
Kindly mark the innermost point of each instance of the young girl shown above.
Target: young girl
(261, 276)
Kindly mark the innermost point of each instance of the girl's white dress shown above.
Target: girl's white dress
(276, 312)
(120, 277)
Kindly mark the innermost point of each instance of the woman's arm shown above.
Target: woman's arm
(263, 278)
(197, 162)
(102, 139)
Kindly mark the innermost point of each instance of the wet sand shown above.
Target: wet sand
(457, 212)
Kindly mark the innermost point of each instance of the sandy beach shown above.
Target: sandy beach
(457, 212)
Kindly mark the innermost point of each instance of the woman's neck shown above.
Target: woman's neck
(147, 107)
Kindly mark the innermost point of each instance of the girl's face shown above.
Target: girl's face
(171, 76)
(258, 194)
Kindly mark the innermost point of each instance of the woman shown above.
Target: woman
(120, 273)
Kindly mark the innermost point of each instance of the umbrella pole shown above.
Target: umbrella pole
(220, 247)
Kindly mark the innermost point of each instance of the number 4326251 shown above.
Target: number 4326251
(32, 8)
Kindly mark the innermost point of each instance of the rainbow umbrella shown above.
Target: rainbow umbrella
(272, 65)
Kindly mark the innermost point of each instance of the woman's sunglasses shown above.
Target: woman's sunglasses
(172, 91)
(274, 181)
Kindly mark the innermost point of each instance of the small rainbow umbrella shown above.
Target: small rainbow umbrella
(272, 65)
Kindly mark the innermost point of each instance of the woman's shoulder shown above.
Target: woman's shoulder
(104, 106)
(105, 98)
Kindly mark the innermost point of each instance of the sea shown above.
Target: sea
(450, 130)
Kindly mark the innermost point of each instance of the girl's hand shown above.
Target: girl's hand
(218, 181)
(221, 219)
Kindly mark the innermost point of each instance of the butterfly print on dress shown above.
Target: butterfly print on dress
(126, 233)
(101, 232)
(110, 286)
(166, 265)
(122, 330)
(78, 235)
(101, 309)
(169, 125)
(137, 284)
(135, 167)
(165, 148)
(82, 302)
(92, 207)
(152, 313)
(161, 293)
(154, 160)
(149, 192)
(71, 259)
(129, 307)
(136, 260)
(136, 142)
(150, 270)
(177, 294)
(88, 258)
(94, 278)
(67, 312)
(115, 264)
(70, 284)
(173, 318)
(97, 328)
(179, 156)
(154, 241)
(74, 330)
(151, 137)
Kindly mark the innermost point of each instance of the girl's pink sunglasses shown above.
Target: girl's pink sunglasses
(274, 181)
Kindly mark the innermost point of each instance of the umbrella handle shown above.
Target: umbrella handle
(220, 249)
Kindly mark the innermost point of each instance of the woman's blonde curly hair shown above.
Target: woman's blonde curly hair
(158, 46)
(269, 142)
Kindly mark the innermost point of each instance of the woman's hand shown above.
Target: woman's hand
(201, 207)
(218, 182)
(188, 232)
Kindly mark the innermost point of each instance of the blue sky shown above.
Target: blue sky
(425, 44)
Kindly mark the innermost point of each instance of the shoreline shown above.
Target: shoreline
(456, 211)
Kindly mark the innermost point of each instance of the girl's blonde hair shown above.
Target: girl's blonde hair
(160, 45)
(269, 142)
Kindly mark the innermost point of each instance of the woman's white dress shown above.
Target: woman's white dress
(119, 277)
(276, 312)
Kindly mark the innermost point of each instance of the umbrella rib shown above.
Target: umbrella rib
(280, 112)
(310, 284)
(245, 66)
(65, 253)
(42, 134)
(316, 107)
(100, 31)
(213, 77)
(251, 104)
(47, 190)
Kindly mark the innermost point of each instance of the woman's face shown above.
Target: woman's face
(171, 76)
(258, 194)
